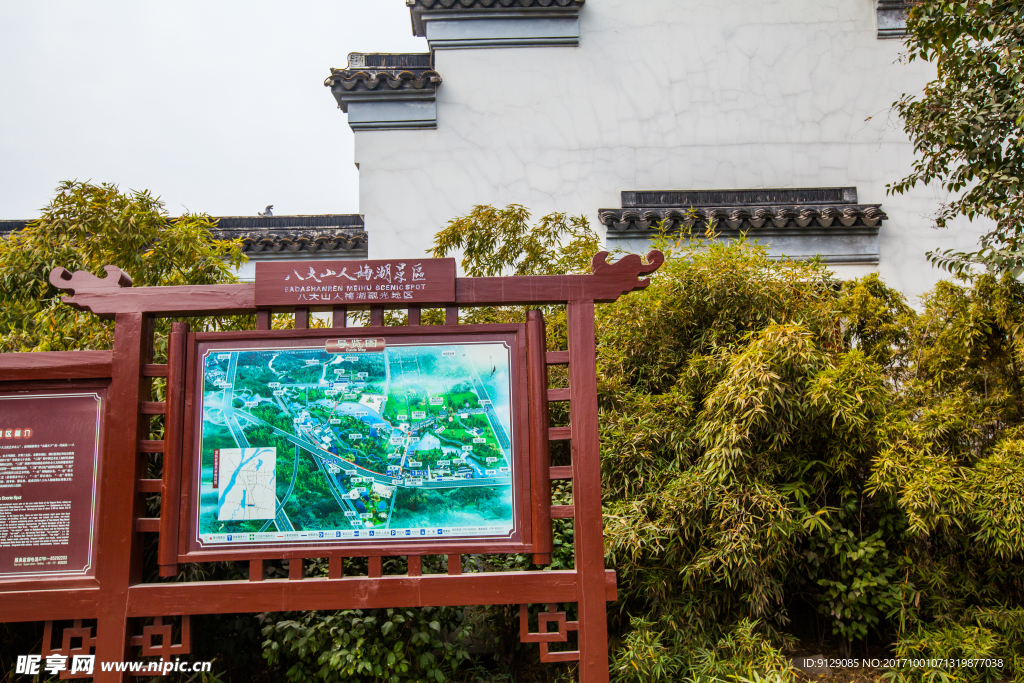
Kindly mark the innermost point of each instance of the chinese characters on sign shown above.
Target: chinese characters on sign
(341, 283)
(357, 345)
(49, 448)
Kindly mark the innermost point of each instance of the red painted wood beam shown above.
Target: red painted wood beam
(360, 592)
(50, 605)
(16, 367)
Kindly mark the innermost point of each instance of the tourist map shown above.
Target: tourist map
(356, 440)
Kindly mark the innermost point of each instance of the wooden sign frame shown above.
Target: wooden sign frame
(118, 616)
(189, 549)
(42, 389)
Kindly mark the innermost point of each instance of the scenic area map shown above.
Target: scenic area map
(358, 439)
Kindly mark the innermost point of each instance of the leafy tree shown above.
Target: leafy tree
(967, 126)
(789, 457)
(86, 227)
(501, 242)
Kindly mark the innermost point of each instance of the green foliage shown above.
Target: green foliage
(777, 443)
(501, 242)
(646, 656)
(86, 227)
(857, 578)
(422, 646)
(967, 125)
(743, 654)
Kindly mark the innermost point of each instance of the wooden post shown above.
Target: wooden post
(540, 445)
(120, 563)
(376, 316)
(586, 494)
(170, 490)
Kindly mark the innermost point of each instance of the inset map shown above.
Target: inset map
(407, 440)
(247, 479)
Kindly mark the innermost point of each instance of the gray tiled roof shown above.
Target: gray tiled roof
(285, 235)
(799, 209)
(384, 73)
(488, 4)
(261, 237)
(892, 18)
(499, 9)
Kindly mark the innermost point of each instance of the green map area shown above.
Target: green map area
(408, 441)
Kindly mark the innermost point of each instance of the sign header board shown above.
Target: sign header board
(354, 345)
(350, 283)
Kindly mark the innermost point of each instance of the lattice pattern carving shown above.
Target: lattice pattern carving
(87, 647)
(544, 637)
(166, 649)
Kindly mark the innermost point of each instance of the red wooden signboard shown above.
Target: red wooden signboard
(117, 616)
(49, 480)
(349, 283)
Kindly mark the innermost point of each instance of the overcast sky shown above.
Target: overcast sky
(217, 106)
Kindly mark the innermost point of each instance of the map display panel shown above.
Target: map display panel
(356, 440)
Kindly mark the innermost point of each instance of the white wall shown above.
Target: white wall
(663, 94)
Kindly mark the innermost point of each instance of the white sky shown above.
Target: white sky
(214, 105)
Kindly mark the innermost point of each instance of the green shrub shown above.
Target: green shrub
(394, 645)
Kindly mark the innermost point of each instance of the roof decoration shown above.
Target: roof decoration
(342, 234)
(280, 236)
(387, 91)
(760, 211)
(454, 24)
(892, 18)
(384, 73)
(489, 4)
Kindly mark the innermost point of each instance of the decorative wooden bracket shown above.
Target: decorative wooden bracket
(113, 294)
(65, 651)
(628, 267)
(544, 636)
(612, 280)
(82, 282)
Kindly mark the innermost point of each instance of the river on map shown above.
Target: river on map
(360, 411)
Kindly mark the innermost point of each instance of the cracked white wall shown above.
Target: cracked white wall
(664, 94)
